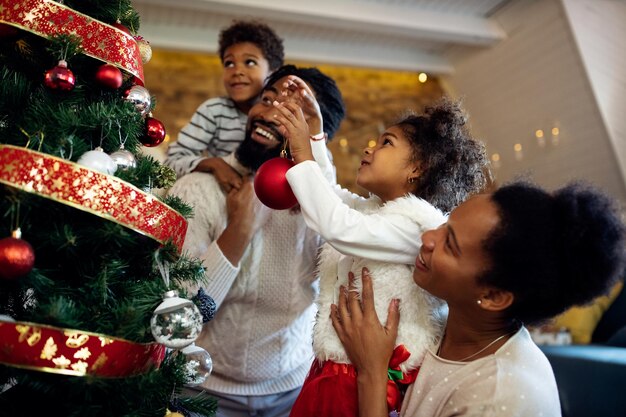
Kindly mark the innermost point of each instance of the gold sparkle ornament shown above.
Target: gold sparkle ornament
(145, 50)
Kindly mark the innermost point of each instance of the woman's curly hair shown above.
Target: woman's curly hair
(553, 251)
(257, 33)
(452, 164)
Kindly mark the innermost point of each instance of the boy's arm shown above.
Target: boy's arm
(225, 175)
(184, 155)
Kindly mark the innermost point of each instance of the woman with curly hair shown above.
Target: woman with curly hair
(501, 262)
(420, 168)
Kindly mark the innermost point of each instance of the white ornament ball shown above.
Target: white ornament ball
(176, 322)
(140, 97)
(124, 159)
(199, 364)
(98, 161)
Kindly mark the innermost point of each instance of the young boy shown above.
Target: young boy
(250, 51)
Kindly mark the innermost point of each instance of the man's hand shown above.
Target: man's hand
(246, 215)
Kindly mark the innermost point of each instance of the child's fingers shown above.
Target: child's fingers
(298, 83)
(286, 111)
(236, 183)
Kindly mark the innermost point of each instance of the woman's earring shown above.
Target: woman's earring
(479, 302)
(411, 180)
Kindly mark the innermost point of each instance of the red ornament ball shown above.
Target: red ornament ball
(60, 78)
(271, 186)
(109, 76)
(121, 27)
(155, 133)
(17, 257)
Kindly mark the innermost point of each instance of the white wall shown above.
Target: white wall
(534, 80)
(599, 28)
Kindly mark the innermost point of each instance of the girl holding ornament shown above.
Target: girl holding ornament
(250, 51)
(419, 169)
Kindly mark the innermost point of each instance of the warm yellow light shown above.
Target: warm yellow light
(555, 131)
(495, 157)
(343, 142)
(422, 77)
(539, 133)
(371, 144)
(517, 147)
(167, 138)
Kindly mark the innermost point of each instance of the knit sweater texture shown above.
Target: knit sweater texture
(385, 238)
(260, 337)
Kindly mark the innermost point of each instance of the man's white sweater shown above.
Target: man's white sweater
(260, 338)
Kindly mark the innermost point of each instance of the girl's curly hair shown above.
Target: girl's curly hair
(452, 164)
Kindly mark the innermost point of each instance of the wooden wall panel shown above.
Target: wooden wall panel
(181, 81)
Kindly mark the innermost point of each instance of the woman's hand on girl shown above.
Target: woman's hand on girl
(368, 343)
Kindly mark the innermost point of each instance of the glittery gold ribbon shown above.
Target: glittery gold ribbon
(99, 40)
(96, 193)
(74, 352)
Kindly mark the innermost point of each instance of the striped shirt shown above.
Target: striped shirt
(216, 129)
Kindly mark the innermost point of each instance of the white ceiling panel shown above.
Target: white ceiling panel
(391, 34)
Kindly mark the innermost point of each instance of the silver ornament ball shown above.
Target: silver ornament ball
(140, 97)
(176, 322)
(198, 366)
(124, 159)
(98, 161)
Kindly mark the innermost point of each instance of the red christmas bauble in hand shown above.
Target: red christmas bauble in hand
(109, 76)
(17, 257)
(155, 133)
(60, 78)
(271, 186)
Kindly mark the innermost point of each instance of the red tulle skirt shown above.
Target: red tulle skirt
(329, 390)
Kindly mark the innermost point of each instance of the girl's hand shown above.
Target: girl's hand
(368, 343)
(294, 128)
(306, 99)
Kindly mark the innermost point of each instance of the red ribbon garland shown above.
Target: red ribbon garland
(99, 40)
(396, 377)
(74, 352)
(102, 195)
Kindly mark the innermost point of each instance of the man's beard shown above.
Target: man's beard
(252, 154)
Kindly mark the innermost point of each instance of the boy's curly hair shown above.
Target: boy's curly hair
(452, 164)
(257, 33)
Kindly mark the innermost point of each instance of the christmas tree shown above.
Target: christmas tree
(94, 315)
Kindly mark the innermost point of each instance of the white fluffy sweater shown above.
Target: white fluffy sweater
(384, 238)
